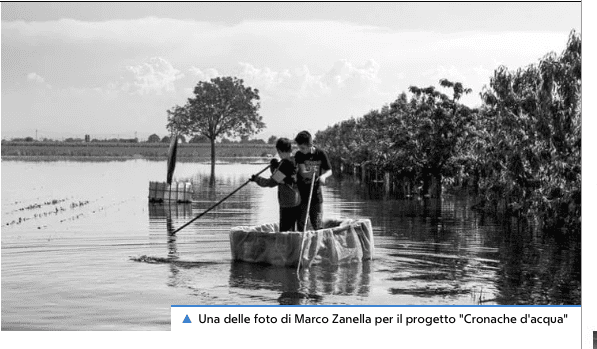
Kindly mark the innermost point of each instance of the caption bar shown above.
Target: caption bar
(547, 326)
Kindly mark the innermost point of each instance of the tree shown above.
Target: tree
(431, 133)
(153, 139)
(166, 139)
(272, 140)
(533, 139)
(221, 107)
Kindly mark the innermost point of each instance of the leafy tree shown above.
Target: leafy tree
(533, 138)
(345, 143)
(272, 140)
(221, 107)
(428, 134)
(166, 139)
(153, 139)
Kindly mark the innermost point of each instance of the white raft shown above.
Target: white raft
(339, 242)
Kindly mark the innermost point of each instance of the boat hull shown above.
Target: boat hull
(339, 242)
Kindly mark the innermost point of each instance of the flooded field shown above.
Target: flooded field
(82, 249)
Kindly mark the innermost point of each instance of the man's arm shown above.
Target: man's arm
(264, 182)
(324, 176)
(325, 167)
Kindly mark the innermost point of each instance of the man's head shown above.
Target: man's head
(304, 142)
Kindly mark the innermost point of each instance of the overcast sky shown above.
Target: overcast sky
(113, 69)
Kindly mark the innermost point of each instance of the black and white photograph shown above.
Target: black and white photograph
(286, 153)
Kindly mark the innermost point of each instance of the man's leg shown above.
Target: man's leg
(288, 216)
(316, 215)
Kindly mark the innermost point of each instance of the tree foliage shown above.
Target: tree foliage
(521, 148)
(154, 138)
(221, 107)
(428, 133)
(419, 137)
(532, 138)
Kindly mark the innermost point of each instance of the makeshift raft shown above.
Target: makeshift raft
(175, 192)
(339, 242)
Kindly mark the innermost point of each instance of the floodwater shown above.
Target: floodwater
(82, 249)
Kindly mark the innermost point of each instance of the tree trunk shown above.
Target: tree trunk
(387, 182)
(436, 185)
(432, 183)
(363, 173)
(426, 183)
(212, 178)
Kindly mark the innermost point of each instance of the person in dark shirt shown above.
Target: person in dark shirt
(313, 164)
(284, 177)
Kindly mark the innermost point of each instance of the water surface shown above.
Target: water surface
(82, 249)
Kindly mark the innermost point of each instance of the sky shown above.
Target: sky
(114, 69)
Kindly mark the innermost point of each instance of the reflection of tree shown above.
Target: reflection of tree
(234, 209)
(538, 271)
(208, 187)
(314, 283)
(212, 177)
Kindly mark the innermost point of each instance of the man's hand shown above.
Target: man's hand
(324, 176)
(253, 177)
(273, 164)
(322, 180)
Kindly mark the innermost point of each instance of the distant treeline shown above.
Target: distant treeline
(132, 150)
(154, 138)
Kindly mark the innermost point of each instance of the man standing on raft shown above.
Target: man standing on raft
(312, 163)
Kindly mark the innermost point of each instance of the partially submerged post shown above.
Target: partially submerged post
(168, 191)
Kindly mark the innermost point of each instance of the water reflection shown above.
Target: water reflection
(310, 287)
(164, 213)
(443, 249)
(538, 269)
(168, 210)
(427, 250)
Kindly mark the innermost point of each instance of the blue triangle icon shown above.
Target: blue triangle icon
(186, 320)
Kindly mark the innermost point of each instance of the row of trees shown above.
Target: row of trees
(521, 147)
(154, 138)
(76, 140)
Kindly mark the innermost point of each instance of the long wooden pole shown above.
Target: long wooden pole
(298, 268)
(219, 202)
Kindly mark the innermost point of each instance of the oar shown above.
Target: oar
(219, 202)
(298, 268)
